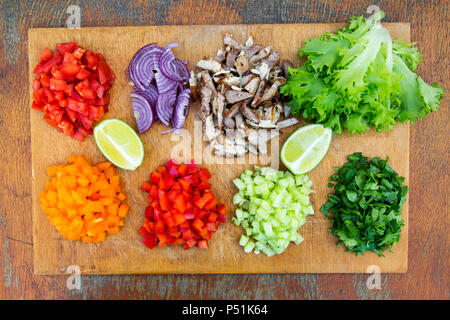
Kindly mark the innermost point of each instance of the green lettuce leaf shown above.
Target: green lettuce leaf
(358, 78)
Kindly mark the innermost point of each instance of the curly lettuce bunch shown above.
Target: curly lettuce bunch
(358, 77)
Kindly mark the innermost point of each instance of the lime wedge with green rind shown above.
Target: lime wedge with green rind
(305, 148)
(119, 143)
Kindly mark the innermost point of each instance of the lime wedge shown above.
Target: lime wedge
(119, 143)
(305, 148)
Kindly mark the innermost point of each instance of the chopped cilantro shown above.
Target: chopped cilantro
(366, 205)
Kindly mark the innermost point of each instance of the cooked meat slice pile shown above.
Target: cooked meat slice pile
(240, 100)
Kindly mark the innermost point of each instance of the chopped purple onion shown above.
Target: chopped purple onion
(159, 80)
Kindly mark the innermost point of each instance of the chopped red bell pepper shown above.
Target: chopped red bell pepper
(182, 208)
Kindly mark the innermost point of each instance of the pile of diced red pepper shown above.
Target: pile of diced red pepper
(71, 88)
(182, 209)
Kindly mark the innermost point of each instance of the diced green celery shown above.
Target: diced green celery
(297, 207)
(263, 189)
(287, 174)
(291, 181)
(304, 200)
(266, 206)
(299, 179)
(248, 172)
(247, 180)
(259, 179)
(257, 201)
(275, 223)
(268, 251)
(256, 228)
(272, 206)
(284, 235)
(244, 205)
(252, 208)
(240, 215)
(284, 182)
(262, 213)
(288, 199)
(268, 171)
(249, 246)
(308, 209)
(296, 194)
(250, 191)
(296, 238)
(243, 241)
(239, 184)
(305, 190)
(268, 229)
(259, 237)
(237, 199)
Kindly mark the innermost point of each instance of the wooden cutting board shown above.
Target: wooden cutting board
(124, 252)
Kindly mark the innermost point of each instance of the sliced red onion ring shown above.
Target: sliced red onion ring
(151, 94)
(181, 109)
(163, 83)
(143, 64)
(170, 66)
(142, 112)
(159, 80)
(183, 69)
(164, 106)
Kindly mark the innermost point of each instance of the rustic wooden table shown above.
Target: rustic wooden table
(427, 276)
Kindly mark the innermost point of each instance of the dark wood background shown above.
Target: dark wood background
(427, 276)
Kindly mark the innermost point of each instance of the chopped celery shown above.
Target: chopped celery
(240, 215)
(259, 179)
(249, 246)
(239, 184)
(237, 199)
(243, 241)
(273, 205)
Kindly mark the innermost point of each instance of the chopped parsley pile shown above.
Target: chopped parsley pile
(366, 205)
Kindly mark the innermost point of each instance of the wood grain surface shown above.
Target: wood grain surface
(124, 252)
(427, 276)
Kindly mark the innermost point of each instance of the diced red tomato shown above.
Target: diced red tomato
(91, 60)
(56, 84)
(46, 54)
(78, 53)
(83, 74)
(182, 209)
(66, 47)
(71, 88)
(69, 69)
(104, 72)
